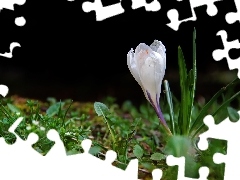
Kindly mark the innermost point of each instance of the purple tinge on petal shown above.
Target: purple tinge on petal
(160, 115)
(157, 109)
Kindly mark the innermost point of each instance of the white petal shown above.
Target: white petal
(133, 66)
(142, 47)
(160, 71)
(160, 55)
(154, 46)
(141, 54)
(162, 50)
(147, 76)
(158, 47)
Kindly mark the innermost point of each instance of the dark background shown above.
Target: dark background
(66, 53)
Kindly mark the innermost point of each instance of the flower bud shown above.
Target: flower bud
(147, 65)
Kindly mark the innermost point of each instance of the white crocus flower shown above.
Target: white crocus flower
(147, 65)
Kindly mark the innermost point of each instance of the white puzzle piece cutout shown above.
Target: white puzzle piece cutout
(56, 164)
(19, 21)
(219, 54)
(3, 90)
(232, 17)
(229, 131)
(12, 46)
(180, 162)
(153, 6)
(173, 14)
(103, 13)
(9, 4)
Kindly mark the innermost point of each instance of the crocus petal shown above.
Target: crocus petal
(158, 47)
(142, 47)
(133, 66)
(160, 50)
(142, 52)
(155, 45)
(150, 78)
(159, 73)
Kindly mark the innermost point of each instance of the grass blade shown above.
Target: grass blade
(183, 112)
(170, 104)
(233, 114)
(203, 112)
(213, 114)
(226, 103)
(192, 87)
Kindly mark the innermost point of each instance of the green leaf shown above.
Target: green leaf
(183, 112)
(101, 109)
(13, 108)
(178, 146)
(95, 150)
(157, 156)
(170, 104)
(52, 100)
(148, 165)
(188, 87)
(138, 151)
(226, 103)
(204, 110)
(54, 109)
(192, 87)
(72, 152)
(233, 114)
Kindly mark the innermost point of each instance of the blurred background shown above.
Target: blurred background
(65, 53)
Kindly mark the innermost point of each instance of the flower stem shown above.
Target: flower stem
(163, 122)
(159, 114)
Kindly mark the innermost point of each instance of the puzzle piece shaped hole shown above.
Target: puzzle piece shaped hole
(3, 90)
(86, 145)
(109, 3)
(127, 5)
(102, 12)
(10, 138)
(157, 174)
(111, 156)
(232, 17)
(234, 53)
